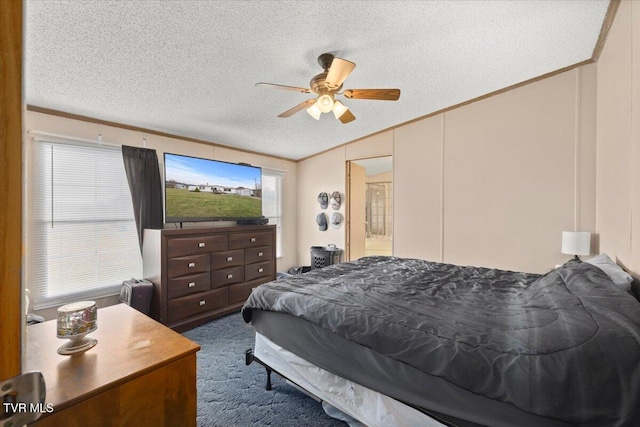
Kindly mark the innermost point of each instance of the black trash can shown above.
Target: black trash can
(322, 256)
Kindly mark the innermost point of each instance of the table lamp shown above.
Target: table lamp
(576, 243)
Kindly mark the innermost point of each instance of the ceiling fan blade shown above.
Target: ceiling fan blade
(291, 88)
(347, 117)
(379, 94)
(301, 106)
(338, 72)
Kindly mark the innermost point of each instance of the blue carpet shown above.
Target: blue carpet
(231, 394)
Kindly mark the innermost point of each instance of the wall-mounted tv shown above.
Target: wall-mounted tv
(198, 189)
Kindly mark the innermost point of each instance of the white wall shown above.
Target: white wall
(618, 140)
(326, 172)
(417, 203)
(492, 183)
(510, 175)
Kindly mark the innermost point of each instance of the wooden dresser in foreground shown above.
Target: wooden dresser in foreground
(203, 273)
(139, 373)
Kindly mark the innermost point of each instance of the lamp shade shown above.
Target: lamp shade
(314, 111)
(324, 103)
(339, 109)
(576, 242)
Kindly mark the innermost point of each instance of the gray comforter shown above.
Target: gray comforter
(565, 345)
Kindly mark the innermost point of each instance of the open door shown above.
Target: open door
(16, 388)
(356, 216)
(11, 317)
(370, 207)
(11, 187)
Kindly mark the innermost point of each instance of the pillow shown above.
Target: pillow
(617, 275)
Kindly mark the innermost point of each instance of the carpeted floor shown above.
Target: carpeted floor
(231, 394)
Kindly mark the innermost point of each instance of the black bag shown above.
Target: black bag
(299, 270)
(137, 294)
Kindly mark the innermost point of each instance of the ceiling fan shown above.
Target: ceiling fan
(327, 85)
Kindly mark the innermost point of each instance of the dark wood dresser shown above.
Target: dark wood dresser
(203, 273)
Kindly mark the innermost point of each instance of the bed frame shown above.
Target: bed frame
(405, 414)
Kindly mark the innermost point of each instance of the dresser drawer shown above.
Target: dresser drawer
(241, 291)
(187, 265)
(259, 254)
(194, 304)
(260, 269)
(250, 240)
(227, 277)
(180, 246)
(227, 259)
(188, 285)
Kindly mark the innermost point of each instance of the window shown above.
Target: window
(272, 202)
(82, 235)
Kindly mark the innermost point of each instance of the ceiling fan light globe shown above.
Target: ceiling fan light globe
(324, 103)
(339, 109)
(314, 111)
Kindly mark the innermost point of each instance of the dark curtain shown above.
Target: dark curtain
(143, 174)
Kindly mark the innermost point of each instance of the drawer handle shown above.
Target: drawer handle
(229, 276)
(203, 302)
(192, 284)
(191, 264)
(229, 258)
(201, 245)
(253, 239)
(260, 270)
(260, 254)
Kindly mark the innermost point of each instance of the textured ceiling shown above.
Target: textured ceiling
(189, 67)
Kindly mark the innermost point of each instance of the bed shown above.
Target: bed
(457, 345)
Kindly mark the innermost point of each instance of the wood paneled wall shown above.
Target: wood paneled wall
(491, 183)
(618, 140)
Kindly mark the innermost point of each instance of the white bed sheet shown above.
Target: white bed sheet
(363, 404)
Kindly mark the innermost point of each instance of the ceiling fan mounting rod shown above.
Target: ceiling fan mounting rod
(325, 60)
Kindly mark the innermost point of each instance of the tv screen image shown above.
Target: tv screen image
(199, 189)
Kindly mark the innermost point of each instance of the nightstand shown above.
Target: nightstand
(139, 373)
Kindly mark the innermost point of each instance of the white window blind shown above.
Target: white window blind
(83, 240)
(272, 202)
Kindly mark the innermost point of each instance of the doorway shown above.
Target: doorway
(370, 213)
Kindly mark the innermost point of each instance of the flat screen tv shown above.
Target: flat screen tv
(198, 189)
